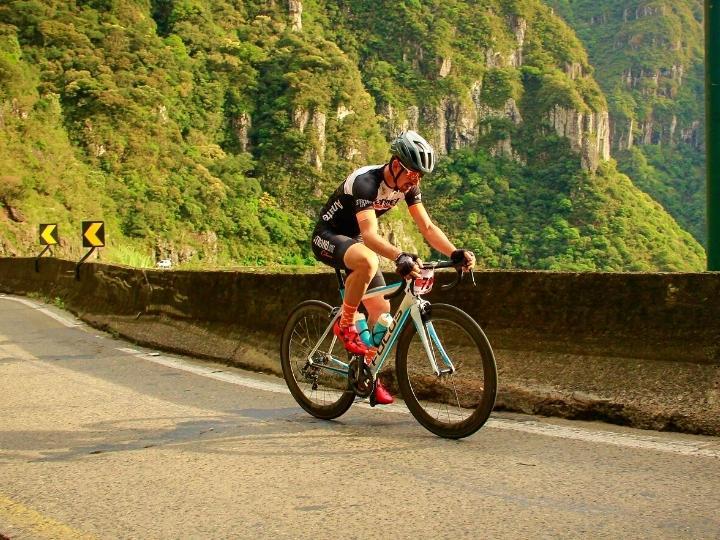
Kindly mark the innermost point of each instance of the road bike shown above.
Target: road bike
(444, 365)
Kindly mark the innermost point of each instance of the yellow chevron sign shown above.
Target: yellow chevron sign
(48, 234)
(93, 233)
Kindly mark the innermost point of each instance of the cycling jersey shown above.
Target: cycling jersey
(364, 188)
(338, 229)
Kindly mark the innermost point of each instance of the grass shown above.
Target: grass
(129, 256)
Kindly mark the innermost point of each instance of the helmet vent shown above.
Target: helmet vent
(414, 152)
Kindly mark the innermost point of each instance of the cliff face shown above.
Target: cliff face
(472, 108)
(656, 85)
(458, 122)
(469, 111)
(295, 12)
(648, 57)
(589, 134)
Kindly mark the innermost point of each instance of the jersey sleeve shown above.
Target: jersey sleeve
(364, 192)
(413, 196)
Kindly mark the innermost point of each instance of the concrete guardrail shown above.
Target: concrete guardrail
(630, 348)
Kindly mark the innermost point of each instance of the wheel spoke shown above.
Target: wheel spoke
(452, 382)
(305, 331)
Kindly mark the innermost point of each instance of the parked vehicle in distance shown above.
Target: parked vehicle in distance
(164, 263)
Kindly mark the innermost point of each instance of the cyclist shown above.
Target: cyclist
(346, 236)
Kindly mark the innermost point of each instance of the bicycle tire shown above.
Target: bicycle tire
(308, 335)
(420, 386)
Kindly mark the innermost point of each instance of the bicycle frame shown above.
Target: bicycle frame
(411, 307)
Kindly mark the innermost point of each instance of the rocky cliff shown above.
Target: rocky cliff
(649, 59)
(211, 132)
(459, 119)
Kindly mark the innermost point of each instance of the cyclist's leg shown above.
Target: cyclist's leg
(362, 262)
(376, 305)
(350, 254)
(332, 249)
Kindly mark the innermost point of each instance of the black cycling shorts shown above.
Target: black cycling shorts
(329, 247)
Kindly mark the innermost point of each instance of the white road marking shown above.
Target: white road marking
(644, 442)
(64, 320)
(641, 442)
(209, 371)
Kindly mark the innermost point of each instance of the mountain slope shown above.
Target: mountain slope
(649, 61)
(210, 133)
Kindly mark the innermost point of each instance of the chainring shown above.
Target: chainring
(360, 377)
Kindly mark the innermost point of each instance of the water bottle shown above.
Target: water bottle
(381, 326)
(361, 326)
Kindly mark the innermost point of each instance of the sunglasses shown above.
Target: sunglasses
(413, 176)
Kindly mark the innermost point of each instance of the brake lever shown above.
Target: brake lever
(461, 275)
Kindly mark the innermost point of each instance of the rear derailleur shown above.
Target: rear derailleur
(311, 370)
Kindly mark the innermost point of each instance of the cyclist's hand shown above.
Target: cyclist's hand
(406, 265)
(463, 257)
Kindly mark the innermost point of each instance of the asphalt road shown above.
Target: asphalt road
(101, 439)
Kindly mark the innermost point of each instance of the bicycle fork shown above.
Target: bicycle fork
(429, 338)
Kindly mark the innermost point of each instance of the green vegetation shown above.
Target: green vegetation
(548, 215)
(144, 121)
(127, 255)
(649, 62)
(211, 132)
(675, 177)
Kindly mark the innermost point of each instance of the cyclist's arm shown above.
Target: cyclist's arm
(369, 230)
(431, 232)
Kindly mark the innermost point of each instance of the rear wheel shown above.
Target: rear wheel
(321, 392)
(449, 405)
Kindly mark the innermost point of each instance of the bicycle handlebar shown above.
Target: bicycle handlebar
(434, 265)
(459, 275)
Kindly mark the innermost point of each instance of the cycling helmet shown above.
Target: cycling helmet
(414, 152)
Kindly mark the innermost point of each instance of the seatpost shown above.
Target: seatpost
(341, 282)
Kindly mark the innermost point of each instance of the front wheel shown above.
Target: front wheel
(319, 390)
(451, 405)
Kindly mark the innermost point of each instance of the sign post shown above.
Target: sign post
(93, 236)
(712, 130)
(48, 238)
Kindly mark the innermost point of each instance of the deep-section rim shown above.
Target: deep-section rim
(481, 414)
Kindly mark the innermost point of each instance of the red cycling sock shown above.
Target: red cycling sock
(347, 317)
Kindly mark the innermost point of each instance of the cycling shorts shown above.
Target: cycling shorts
(329, 247)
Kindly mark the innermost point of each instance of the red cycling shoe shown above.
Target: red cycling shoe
(350, 338)
(382, 395)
